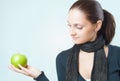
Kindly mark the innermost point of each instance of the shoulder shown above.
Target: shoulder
(114, 56)
(63, 55)
(115, 49)
(114, 52)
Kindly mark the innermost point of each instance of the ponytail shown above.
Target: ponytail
(108, 27)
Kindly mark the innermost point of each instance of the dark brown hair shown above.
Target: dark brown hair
(94, 12)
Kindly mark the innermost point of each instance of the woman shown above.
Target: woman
(92, 58)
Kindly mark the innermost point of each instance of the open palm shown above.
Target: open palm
(29, 70)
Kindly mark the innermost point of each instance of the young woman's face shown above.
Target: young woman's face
(81, 30)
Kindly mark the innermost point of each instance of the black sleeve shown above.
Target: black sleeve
(60, 68)
(41, 77)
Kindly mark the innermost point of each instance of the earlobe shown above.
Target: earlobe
(98, 25)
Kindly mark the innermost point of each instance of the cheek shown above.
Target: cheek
(88, 35)
(91, 35)
(86, 32)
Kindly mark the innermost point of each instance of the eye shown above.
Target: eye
(68, 25)
(79, 26)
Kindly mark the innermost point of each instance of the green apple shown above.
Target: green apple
(18, 58)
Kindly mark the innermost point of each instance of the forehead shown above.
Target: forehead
(76, 15)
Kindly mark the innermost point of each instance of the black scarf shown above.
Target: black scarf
(99, 72)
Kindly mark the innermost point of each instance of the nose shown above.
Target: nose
(72, 31)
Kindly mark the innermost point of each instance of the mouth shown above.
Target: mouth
(75, 38)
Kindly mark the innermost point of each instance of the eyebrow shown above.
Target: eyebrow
(75, 23)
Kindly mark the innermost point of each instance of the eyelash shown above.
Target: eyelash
(68, 25)
(78, 27)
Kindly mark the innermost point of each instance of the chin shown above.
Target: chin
(78, 42)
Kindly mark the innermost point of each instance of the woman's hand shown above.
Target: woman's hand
(29, 70)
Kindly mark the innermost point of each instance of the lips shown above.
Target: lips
(75, 38)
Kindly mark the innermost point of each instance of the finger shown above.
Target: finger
(17, 70)
(25, 70)
(13, 68)
(10, 67)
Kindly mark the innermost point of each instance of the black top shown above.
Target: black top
(113, 65)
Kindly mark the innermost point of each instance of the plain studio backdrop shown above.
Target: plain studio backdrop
(38, 29)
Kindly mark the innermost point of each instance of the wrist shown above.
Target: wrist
(39, 75)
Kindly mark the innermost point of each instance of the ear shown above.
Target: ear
(98, 25)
